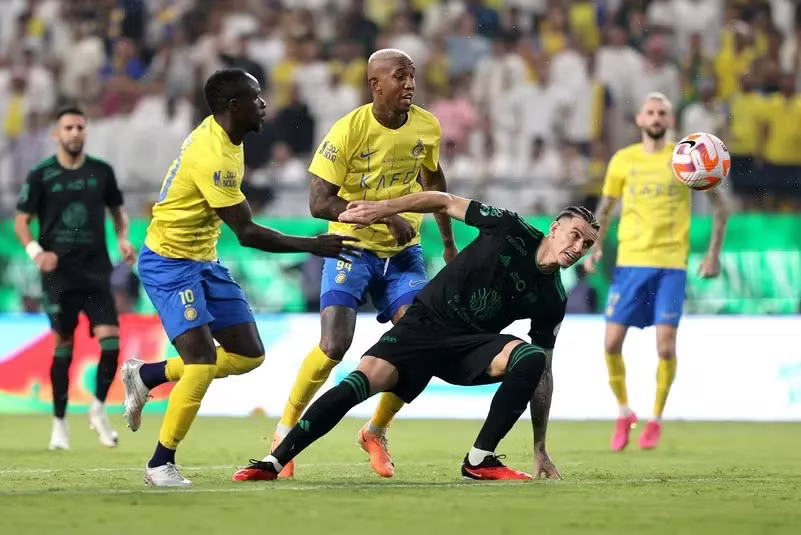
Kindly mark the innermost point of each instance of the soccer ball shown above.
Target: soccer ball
(700, 161)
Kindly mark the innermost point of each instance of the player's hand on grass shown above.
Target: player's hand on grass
(710, 267)
(400, 229)
(592, 259)
(543, 467)
(335, 246)
(128, 252)
(46, 261)
(450, 253)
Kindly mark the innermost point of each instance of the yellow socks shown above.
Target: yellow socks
(388, 405)
(184, 403)
(617, 378)
(665, 372)
(174, 369)
(227, 364)
(232, 364)
(311, 376)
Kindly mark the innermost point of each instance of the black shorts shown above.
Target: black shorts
(745, 179)
(62, 304)
(421, 348)
(784, 180)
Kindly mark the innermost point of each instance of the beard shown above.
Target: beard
(73, 149)
(656, 133)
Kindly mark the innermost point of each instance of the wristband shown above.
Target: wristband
(33, 249)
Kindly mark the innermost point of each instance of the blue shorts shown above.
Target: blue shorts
(643, 296)
(189, 294)
(392, 282)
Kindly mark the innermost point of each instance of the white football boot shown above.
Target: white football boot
(98, 422)
(136, 393)
(166, 475)
(59, 436)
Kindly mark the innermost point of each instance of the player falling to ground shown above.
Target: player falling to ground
(379, 151)
(195, 296)
(648, 284)
(68, 193)
(451, 331)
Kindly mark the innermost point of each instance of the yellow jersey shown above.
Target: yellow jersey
(654, 226)
(369, 161)
(782, 115)
(746, 111)
(206, 175)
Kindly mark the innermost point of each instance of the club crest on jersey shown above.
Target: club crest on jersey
(227, 180)
(190, 313)
(341, 278)
(418, 149)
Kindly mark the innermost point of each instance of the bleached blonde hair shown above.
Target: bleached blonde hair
(388, 53)
(656, 95)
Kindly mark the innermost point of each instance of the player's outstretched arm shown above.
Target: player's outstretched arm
(710, 266)
(540, 408)
(325, 203)
(368, 212)
(250, 234)
(435, 181)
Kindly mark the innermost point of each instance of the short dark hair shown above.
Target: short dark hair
(579, 211)
(68, 109)
(222, 86)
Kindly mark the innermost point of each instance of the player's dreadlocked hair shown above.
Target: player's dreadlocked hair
(222, 86)
(579, 211)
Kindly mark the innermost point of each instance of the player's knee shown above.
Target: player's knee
(666, 343)
(63, 341)
(381, 375)
(666, 351)
(526, 361)
(336, 345)
(613, 345)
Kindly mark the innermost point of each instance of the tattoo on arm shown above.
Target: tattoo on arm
(120, 218)
(541, 402)
(324, 203)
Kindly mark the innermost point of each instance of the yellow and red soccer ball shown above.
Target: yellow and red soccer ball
(700, 161)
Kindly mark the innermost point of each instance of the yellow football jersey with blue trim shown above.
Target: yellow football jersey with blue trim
(655, 216)
(206, 175)
(369, 161)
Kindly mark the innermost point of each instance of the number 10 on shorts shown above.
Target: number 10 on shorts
(187, 296)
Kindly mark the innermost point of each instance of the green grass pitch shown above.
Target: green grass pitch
(706, 478)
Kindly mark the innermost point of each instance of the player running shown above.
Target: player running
(69, 192)
(648, 284)
(196, 298)
(509, 272)
(379, 151)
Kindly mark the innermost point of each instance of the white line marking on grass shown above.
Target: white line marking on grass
(23, 471)
(344, 485)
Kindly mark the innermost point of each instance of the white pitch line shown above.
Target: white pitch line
(273, 487)
(24, 471)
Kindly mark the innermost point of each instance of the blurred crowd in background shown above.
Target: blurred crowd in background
(533, 95)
